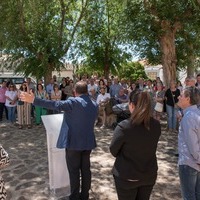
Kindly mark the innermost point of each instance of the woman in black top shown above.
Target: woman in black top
(171, 96)
(134, 145)
(62, 88)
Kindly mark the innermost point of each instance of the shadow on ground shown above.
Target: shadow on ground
(27, 176)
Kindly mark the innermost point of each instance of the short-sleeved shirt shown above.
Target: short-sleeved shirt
(102, 97)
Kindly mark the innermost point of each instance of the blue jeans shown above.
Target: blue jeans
(190, 182)
(11, 114)
(171, 117)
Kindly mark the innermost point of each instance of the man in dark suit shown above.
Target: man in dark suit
(76, 135)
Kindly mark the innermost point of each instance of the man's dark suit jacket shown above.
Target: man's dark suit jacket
(77, 130)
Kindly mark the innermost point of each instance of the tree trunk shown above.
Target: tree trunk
(48, 74)
(106, 71)
(106, 65)
(168, 50)
(191, 66)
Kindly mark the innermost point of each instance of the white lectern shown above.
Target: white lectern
(58, 172)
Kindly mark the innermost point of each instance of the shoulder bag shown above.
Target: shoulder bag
(175, 104)
(159, 106)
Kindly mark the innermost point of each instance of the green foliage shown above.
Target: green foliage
(144, 27)
(39, 32)
(103, 33)
(132, 71)
(100, 39)
(88, 71)
(188, 44)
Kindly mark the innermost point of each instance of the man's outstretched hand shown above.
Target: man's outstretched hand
(27, 97)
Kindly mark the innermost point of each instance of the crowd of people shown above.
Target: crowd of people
(135, 139)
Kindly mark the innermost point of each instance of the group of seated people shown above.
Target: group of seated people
(107, 93)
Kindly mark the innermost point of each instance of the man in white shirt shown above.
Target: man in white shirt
(190, 81)
(31, 85)
(102, 99)
(91, 86)
(49, 87)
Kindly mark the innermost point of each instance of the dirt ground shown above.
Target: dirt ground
(167, 186)
(27, 176)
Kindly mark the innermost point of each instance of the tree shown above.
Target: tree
(156, 25)
(188, 47)
(132, 71)
(101, 41)
(39, 32)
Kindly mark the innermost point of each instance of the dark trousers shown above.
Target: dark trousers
(2, 108)
(32, 110)
(130, 190)
(78, 163)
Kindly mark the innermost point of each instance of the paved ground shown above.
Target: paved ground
(27, 176)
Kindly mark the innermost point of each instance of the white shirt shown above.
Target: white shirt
(57, 95)
(102, 97)
(92, 87)
(12, 95)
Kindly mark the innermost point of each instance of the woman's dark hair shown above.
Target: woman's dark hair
(142, 111)
(101, 80)
(21, 87)
(55, 86)
(38, 85)
(193, 93)
(67, 82)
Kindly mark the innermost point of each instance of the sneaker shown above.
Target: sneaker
(29, 126)
(20, 127)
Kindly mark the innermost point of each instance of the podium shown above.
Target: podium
(58, 173)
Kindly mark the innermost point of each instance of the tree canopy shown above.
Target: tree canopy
(40, 32)
(103, 33)
(158, 29)
(100, 40)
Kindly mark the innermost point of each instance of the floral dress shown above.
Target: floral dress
(4, 161)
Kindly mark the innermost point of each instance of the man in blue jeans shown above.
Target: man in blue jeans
(189, 144)
(76, 135)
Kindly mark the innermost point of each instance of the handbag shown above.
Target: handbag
(20, 103)
(175, 104)
(109, 105)
(158, 107)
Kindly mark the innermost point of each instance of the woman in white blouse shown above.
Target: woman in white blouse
(56, 95)
(11, 102)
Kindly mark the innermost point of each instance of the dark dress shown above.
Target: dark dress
(63, 95)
